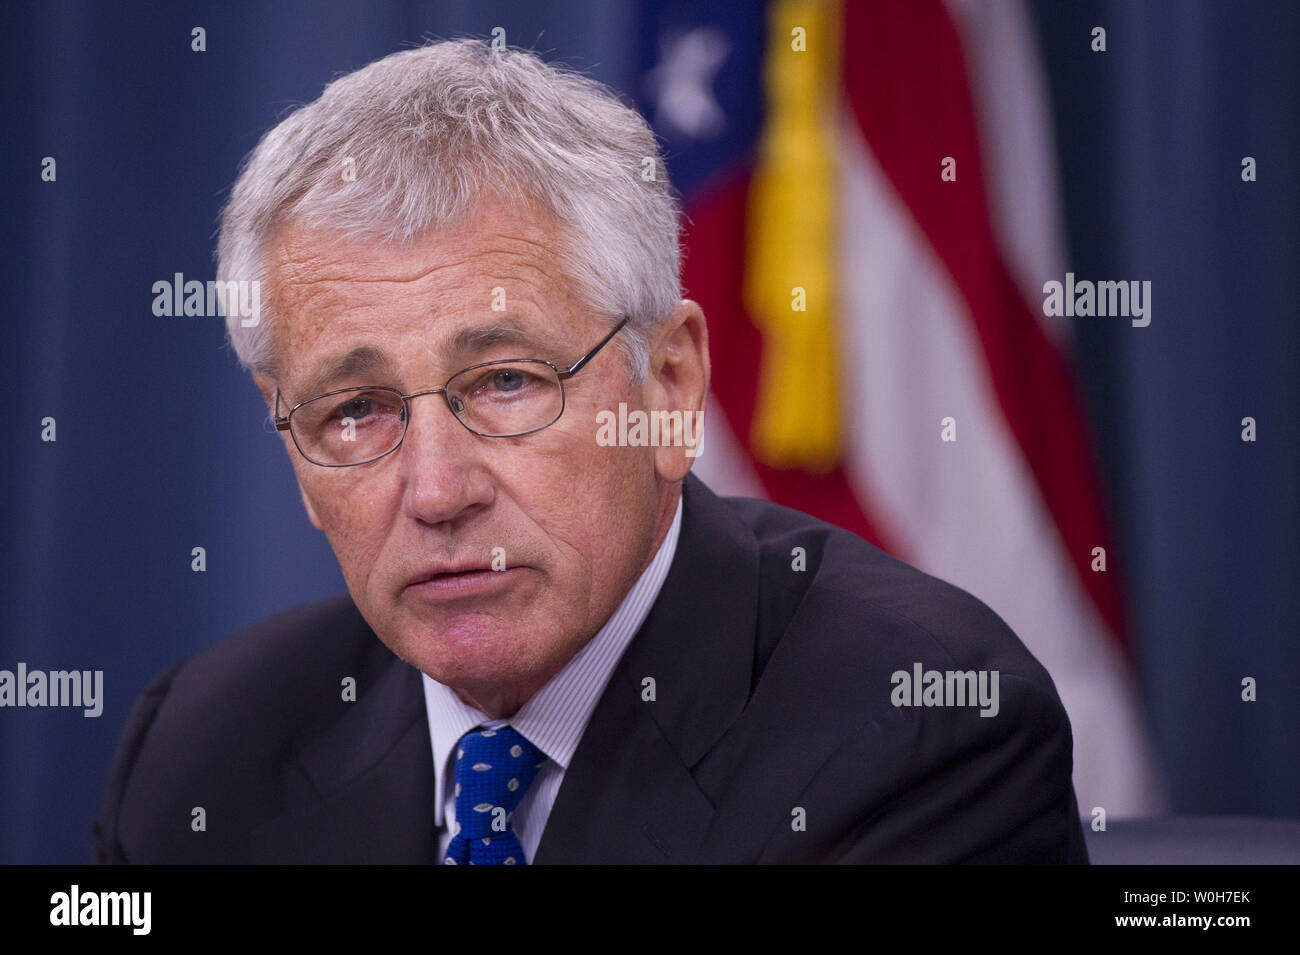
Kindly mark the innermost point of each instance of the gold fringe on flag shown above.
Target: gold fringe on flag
(791, 241)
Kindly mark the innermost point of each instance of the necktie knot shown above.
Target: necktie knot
(494, 768)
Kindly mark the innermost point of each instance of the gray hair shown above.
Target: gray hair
(429, 131)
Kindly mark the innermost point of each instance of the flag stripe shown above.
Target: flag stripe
(1015, 122)
(968, 511)
(717, 226)
(888, 84)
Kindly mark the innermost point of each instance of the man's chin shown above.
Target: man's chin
(470, 648)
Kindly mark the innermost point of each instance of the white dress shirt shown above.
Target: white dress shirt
(555, 717)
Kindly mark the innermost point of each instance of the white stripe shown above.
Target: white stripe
(1014, 116)
(723, 463)
(968, 512)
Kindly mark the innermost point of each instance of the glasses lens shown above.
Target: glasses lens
(349, 427)
(506, 397)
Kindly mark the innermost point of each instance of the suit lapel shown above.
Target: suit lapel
(629, 794)
(363, 791)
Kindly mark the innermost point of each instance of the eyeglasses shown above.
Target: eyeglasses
(495, 399)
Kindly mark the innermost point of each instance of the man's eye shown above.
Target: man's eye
(354, 408)
(508, 380)
(368, 405)
(499, 386)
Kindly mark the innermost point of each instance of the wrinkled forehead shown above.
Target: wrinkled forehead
(343, 305)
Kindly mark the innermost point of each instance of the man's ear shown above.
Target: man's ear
(267, 388)
(678, 381)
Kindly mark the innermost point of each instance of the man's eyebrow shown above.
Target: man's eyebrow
(367, 359)
(480, 338)
(361, 360)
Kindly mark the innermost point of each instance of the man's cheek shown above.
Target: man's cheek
(349, 537)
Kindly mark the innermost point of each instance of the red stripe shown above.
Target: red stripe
(713, 276)
(907, 90)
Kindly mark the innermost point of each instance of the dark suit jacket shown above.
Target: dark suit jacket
(772, 694)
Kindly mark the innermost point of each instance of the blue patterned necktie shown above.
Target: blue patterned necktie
(494, 768)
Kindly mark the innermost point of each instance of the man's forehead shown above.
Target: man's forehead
(332, 298)
(306, 263)
(517, 225)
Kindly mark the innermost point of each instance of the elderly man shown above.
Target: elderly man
(554, 647)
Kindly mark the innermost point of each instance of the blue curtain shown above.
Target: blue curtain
(1151, 136)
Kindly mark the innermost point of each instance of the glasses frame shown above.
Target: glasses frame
(282, 422)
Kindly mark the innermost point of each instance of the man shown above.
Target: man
(554, 647)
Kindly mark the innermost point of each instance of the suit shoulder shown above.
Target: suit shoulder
(892, 776)
(285, 662)
(857, 604)
(317, 635)
(218, 729)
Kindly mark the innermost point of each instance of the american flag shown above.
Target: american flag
(872, 212)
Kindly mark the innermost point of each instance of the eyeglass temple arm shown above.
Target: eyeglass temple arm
(577, 365)
(281, 423)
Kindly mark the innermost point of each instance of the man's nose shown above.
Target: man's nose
(441, 464)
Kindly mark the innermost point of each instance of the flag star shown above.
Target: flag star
(681, 85)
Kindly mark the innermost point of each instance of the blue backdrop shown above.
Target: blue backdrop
(162, 444)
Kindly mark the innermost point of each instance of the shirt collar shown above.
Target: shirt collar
(555, 717)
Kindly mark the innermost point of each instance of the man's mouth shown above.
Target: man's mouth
(451, 581)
